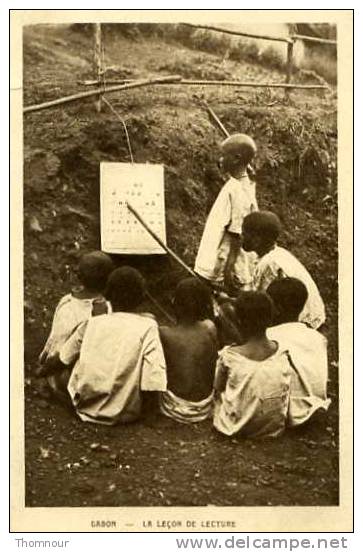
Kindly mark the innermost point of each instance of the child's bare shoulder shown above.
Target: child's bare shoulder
(210, 327)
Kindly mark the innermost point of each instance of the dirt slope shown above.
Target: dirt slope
(296, 176)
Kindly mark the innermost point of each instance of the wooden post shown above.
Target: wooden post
(289, 63)
(98, 62)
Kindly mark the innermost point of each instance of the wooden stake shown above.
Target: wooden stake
(98, 62)
(289, 63)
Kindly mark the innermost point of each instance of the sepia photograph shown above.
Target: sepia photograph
(180, 218)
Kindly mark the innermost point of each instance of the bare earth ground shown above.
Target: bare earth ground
(157, 462)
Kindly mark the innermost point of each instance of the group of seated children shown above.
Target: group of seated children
(106, 359)
(252, 358)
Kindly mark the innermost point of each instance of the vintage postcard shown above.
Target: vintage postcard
(181, 264)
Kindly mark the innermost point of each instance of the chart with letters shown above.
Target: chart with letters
(142, 186)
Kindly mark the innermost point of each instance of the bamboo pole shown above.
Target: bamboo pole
(98, 61)
(159, 307)
(216, 120)
(307, 38)
(221, 314)
(160, 242)
(238, 33)
(191, 82)
(91, 93)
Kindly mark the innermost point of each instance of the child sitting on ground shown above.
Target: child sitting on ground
(190, 350)
(253, 377)
(260, 232)
(74, 308)
(307, 348)
(117, 355)
(220, 258)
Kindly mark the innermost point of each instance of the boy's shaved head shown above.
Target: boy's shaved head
(259, 230)
(193, 300)
(241, 146)
(265, 223)
(254, 312)
(94, 269)
(125, 288)
(289, 296)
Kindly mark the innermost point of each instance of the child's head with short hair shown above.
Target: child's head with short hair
(260, 231)
(192, 301)
(94, 269)
(254, 310)
(289, 296)
(125, 289)
(238, 151)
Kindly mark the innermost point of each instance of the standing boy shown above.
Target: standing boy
(260, 232)
(220, 259)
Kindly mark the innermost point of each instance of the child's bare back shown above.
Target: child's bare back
(190, 352)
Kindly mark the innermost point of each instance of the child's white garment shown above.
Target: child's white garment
(308, 351)
(120, 356)
(236, 199)
(279, 263)
(256, 397)
(69, 313)
(185, 411)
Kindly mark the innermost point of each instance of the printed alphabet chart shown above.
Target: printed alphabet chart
(141, 185)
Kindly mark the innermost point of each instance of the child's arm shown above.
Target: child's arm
(221, 377)
(227, 325)
(50, 365)
(153, 375)
(71, 349)
(235, 245)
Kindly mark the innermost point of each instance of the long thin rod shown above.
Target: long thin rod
(181, 262)
(83, 95)
(307, 38)
(124, 126)
(159, 307)
(238, 33)
(160, 241)
(193, 82)
(216, 120)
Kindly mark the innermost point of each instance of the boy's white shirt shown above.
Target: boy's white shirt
(279, 262)
(235, 200)
(69, 313)
(308, 351)
(120, 355)
(256, 397)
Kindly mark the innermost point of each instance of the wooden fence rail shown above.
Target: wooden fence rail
(98, 91)
(177, 80)
(307, 38)
(238, 33)
(195, 82)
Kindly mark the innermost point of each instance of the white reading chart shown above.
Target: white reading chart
(141, 185)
